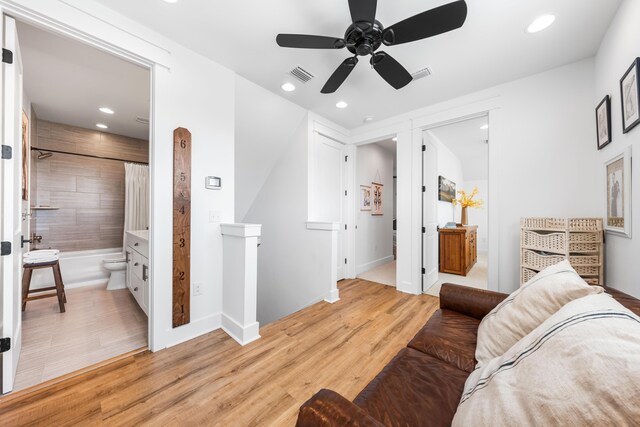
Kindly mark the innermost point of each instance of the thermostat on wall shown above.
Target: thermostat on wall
(213, 183)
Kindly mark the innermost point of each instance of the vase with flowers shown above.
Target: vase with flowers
(467, 201)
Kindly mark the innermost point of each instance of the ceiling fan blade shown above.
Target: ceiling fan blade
(427, 24)
(391, 70)
(363, 10)
(340, 75)
(303, 41)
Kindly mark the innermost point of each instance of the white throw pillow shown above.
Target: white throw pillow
(581, 367)
(525, 309)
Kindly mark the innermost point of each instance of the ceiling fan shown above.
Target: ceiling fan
(366, 35)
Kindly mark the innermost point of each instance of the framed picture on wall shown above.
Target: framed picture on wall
(376, 199)
(603, 122)
(630, 96)
(365, 198)
(446, 190)
(618, 194)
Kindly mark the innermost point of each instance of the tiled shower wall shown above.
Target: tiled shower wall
(88, 192)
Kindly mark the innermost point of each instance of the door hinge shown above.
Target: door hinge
(5, 345)
(345, 192)
(424, 230)
(345, 260)
(7, 56)
(424, 189)
(424, 271)
(346, 158)
(7, 152)
(424, 148)
(5, 248)
(345, 226)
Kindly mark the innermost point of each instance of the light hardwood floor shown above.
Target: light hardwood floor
(213, 381)
(97, 325)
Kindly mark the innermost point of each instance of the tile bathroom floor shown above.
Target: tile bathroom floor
(97, 325)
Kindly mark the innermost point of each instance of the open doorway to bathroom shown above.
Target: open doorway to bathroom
(86, 202)
(456, 173)
(376, 171)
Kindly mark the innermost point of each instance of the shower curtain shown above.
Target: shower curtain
(136, 202)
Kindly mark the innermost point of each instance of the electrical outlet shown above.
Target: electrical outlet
(197, 289)
(215, 216)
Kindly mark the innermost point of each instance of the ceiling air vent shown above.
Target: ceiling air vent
(142, 120)
(420, 74)
(301, 74)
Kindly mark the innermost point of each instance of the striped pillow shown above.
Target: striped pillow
(581, 367)
(525, 309)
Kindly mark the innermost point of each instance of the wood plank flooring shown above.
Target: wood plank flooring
(213, 381)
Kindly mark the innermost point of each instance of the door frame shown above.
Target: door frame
(449, 122)
(28, 16)
(409, 129)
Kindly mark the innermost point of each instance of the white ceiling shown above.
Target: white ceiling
(468, 142)
(491, 48)
(67, 82)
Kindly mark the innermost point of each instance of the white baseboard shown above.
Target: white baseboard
(194, 330)
(373, 264)
(333, 296)
(242, 334)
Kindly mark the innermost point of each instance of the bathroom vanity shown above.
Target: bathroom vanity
(137, 255)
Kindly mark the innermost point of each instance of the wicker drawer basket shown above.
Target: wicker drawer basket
(544, 223)
(527, 275)
(538, 261)
(584, 248)
(550, 242)
(584, 260)
(585, 237)
(584, 270)
(585, 224)
(592, 280)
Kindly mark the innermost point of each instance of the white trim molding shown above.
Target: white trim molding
(243, 335)
(323, 226)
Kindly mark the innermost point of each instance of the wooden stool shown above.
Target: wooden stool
(58, 288)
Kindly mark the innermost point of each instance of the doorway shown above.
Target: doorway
(84, 201)
(456, 167)
(375, 236)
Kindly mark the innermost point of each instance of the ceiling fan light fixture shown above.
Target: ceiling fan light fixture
(342, 105)
(288, 87)
(541, 23)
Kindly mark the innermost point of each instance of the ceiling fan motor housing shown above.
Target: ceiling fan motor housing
(364, 38)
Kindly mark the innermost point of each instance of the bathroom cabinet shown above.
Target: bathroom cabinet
(138, 268)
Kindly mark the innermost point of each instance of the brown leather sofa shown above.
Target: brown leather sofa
(423, 384)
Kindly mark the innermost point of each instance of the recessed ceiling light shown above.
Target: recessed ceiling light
(484, 127)
(102, 126)
(541, 23)
(368, 119)
(394, 139)
(288, 87)
(342, 105)
(171, 1)
(106, 110)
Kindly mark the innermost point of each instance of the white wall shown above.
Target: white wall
(450, 167)
(618, 50)
(265, 124)
(374, 236)
(189, 91)
(480, 217)
(540, 154)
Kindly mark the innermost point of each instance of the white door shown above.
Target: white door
(12, 220)
(330, 199)
(430, 244)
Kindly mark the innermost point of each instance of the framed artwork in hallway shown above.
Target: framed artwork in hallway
(365, 198)
(376, 199)
(446, 190)
(630, 96)
(603, 122)
(618, 203)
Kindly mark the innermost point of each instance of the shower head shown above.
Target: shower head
(44, 155)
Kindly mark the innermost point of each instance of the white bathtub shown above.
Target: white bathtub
(83, 268)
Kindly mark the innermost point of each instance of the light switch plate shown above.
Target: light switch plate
(197, 289)
(215, 216)
(213, 183)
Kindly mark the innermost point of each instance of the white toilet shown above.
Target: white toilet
(118, 272)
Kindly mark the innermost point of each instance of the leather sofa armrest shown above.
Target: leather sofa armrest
(329, 409)
(471, 302)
